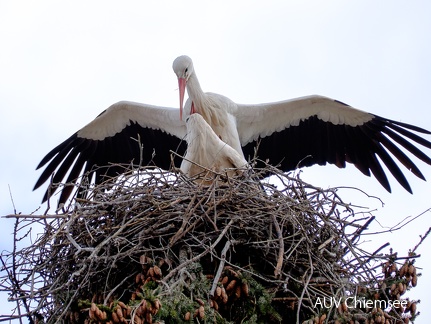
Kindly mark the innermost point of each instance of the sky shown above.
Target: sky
(63, 62)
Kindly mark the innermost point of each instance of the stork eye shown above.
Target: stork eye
(186, 70)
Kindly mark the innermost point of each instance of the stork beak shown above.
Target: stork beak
(182, 85)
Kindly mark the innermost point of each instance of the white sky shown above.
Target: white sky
(62, 63)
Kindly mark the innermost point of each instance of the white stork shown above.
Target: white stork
(292, 133)
(206, 152)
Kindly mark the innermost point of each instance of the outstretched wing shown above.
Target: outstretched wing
(319, 130)
(115, 137)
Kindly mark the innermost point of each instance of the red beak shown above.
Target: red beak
(182, 85)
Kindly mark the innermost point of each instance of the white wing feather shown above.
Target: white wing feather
(262, 120)
(114, 119)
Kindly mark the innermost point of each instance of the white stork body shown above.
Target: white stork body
(206, 151)
(292, 133)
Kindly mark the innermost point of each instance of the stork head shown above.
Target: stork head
(183, 68)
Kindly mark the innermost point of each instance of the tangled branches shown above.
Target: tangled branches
(158, 247)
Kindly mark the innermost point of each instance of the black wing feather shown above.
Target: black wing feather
(57, 155)
(105, 159)
(314, 141)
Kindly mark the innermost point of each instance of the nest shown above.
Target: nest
(159, 248)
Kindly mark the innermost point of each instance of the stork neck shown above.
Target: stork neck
(195, 91)
(203, 104)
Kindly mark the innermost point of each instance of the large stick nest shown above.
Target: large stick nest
(159, 247)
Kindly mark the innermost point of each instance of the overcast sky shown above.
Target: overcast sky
(62, 63)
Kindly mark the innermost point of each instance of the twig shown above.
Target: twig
(220, 268)
(423, 237)
(60, 216)
(277, 271)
